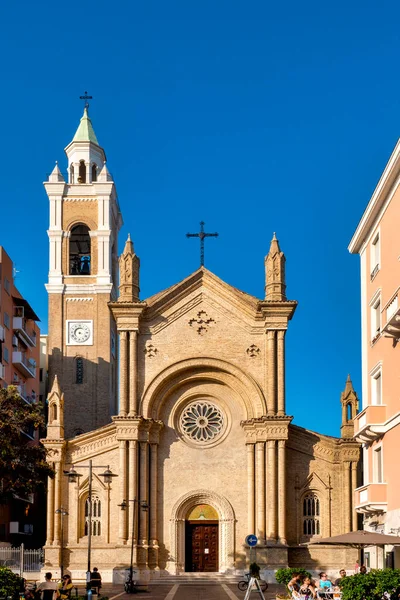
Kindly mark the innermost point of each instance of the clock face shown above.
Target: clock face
(79, 333)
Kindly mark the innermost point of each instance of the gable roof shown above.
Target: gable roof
(200, 278)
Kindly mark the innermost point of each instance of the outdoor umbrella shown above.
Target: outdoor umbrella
(359, 539)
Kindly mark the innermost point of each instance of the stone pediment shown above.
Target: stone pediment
(313, 482)
(200, 287)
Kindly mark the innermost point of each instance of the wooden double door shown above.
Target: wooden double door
(201, 546)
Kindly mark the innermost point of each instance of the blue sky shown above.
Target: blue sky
(253, 116)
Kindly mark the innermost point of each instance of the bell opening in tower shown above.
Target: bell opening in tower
(79, 251)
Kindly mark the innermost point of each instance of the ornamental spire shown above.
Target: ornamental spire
(129, 265)
(275, 283)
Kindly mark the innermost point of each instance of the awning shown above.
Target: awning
(359, 539)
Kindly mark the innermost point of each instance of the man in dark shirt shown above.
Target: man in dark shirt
(342, 574)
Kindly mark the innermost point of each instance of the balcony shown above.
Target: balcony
(371, 498)
(392, 327)
(26, 367)
(27, 336)
(370, 423)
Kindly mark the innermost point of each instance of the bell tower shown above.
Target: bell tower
(83, 236)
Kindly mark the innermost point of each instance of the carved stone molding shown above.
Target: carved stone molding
(202, 322)
(253, 351)
(150, 350)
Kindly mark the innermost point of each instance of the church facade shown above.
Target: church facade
(203, 450)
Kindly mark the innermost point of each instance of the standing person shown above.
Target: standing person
(64, 589)
(47, 588)
(356, 567)
(95, 579)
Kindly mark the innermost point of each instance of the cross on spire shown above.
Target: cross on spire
(86, 98)
(201, 235)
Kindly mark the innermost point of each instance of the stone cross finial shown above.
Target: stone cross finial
(275, 284)
(129, 265)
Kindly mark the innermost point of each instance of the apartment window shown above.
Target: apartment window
(376, 388)
(7, 285)
(376, 319)
(378, 466)
(375, 256)
(40, 375)
(6, 320)
(6, 355)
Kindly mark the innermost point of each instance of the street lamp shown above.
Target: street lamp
(73, 476)
(129, 585)
(61, 511)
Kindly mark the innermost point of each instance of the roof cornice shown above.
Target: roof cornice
(382, 190)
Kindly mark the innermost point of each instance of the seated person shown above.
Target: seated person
(294, 585)
(47, 588)
(307, 588)
(324, 583)
(342, 574)
(65, 588)
(95, 579)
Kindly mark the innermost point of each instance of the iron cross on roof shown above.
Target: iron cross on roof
(202, 235)
(86, 98)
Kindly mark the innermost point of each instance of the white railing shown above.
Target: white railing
(20, 560)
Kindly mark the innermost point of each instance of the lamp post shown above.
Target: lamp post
(73, 475)
(61, 511)
(129, 587)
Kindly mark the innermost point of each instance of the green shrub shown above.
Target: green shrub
(9, 583)
(285, 575)
(371, 585)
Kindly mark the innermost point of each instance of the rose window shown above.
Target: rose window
(202, 421)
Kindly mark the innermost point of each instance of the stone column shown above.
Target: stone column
(57, 503)
(122, 491)
(50, 511)
(133, 408)
(281, 372)
(282, 491)
(346, 495)
(123, 374)
(133, 473)
(272, 490)
(143, 522)
(153, 503)
(271, 371)
(250, 487)
(352, 499)
(260, 487)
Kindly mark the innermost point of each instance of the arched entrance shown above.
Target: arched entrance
(223, 536)
(201, 539)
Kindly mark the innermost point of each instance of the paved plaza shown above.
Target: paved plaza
(188, 591)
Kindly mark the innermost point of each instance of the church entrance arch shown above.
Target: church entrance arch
(202, 544)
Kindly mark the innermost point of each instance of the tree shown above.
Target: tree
(23, 466)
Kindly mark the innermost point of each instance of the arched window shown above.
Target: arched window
(311, 515)
(79, 370)
(348, 412)
(82, 172)
(71, 174)
(79, 251)
(54, 413)
(94, 172)
(96, 516)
